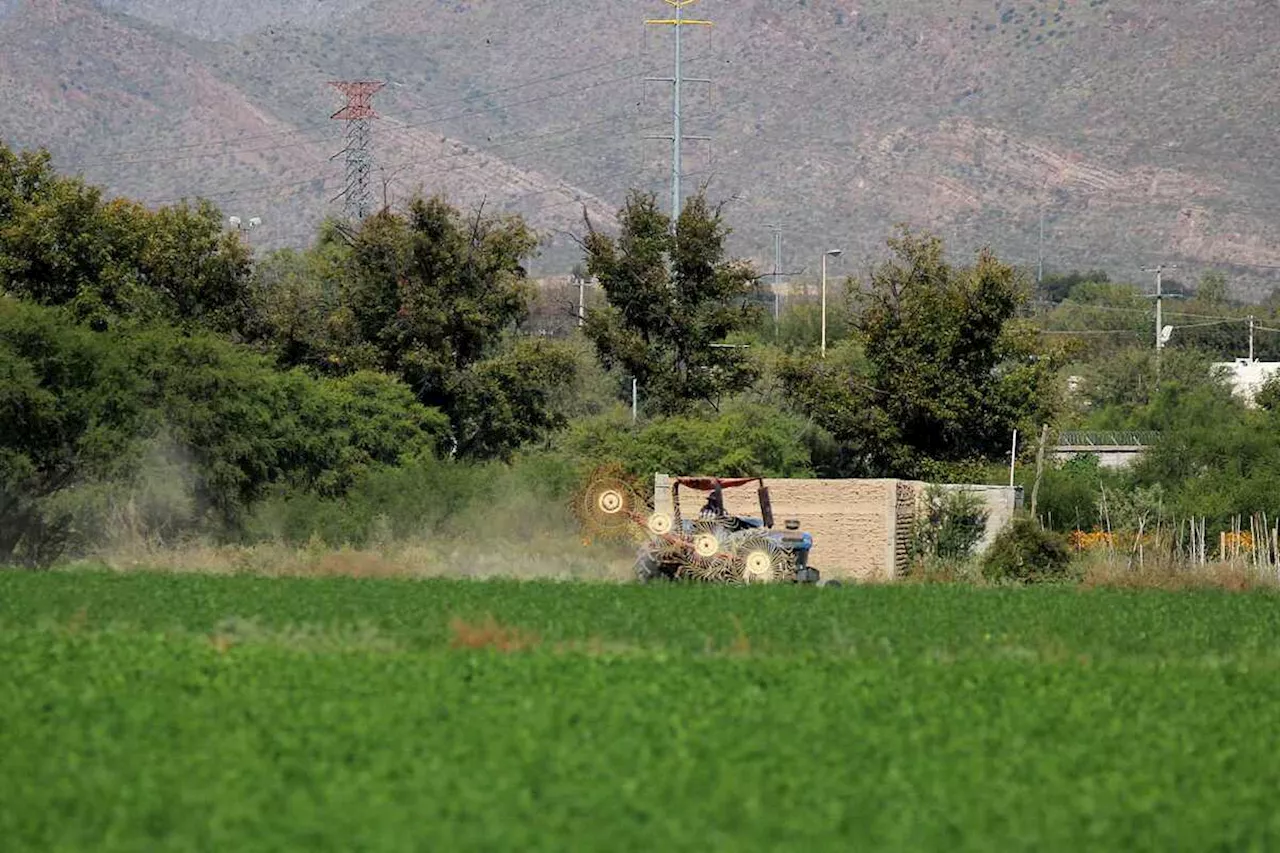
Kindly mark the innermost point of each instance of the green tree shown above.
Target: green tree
(296, 298)
(430, 296)
(1057, 287)
(63, 243)
(512, 399)
(70, 408)
(1212, 290)
(672, 296)
(1118, 392)
(745, 439)
(248, 427)
(950, 376)
(80, 411)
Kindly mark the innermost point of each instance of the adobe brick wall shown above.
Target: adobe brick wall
(861, 528)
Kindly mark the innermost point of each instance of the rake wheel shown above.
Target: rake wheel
(759, 559)
(610, 506)
(706, 555)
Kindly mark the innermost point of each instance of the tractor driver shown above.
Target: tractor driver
(713, 509)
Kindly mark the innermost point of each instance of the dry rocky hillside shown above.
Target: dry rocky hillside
(1140, 128)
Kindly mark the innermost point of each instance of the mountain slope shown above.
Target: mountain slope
(1140, 128)
(142, 114)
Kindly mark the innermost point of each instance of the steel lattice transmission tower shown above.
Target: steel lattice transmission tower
(677, 137)
(357, 114)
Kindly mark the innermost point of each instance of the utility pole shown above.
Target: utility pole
(583, 281)
(1251, 339)
(1159, 296)
(677, 137)
(357, 114)
(1040, 263)
(777, 271)
(831, 253)
(1013, 457)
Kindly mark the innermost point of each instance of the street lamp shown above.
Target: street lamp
(244, 227)
(831, 253)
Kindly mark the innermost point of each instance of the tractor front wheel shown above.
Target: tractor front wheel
(649, 568)
(807, 575)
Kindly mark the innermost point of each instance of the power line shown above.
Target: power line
(250, 190)
(257, 188)
(403, 125)
(1143, 311)
(114, 156)
(1088, 331)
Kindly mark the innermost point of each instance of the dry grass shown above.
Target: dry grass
(552, 557)
(569, 558)
(1231, 577)
(491, 634)
(1098, 570)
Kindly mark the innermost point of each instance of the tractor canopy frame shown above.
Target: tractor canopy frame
(716, 486)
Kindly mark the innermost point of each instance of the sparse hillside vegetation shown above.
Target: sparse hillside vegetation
(969, 118)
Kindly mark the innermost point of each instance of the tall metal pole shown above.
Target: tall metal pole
(677, 133)
(1013, 457)
(1159, 310)
(831, 253)
(1040, 264)
(824, 305)
(777, 270)
(677, 82)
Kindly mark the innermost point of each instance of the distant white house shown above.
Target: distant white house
(1248, 376)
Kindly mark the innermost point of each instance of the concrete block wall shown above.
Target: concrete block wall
(861, 528)
(1001, 501)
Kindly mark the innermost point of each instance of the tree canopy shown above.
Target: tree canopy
(673, 299)
(433, 297)
(950, 372)
(63, 243)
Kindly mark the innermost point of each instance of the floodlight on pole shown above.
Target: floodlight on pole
(244, 227)
(830, 253)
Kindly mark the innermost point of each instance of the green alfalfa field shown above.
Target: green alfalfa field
(187, 712)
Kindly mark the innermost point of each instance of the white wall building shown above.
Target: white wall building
(1247, 377)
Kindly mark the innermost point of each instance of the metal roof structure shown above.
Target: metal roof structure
(1109, 438)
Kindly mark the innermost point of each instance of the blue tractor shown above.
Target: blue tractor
(715, 546)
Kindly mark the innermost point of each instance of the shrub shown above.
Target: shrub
(744, 440)
(166, 434)
(1026, 552)
(427, 497)
(952, 524)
